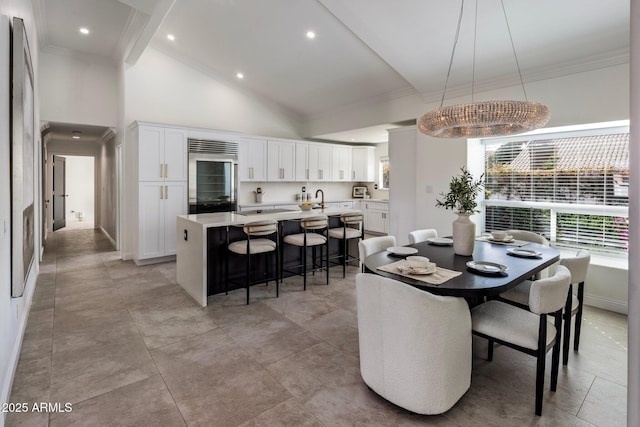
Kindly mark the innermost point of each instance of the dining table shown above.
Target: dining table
(517, 263)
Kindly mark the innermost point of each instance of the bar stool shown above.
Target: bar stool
(311, 236)
(352, 228)
(249, 247)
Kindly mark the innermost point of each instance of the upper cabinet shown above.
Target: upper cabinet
(162, 154)
(252, 159)
(319, 157)
(281, 161)
(302, 161)
(341, 166)
(363, 161)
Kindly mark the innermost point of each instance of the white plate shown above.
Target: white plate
(486, 267)
(505, 240)
(524, 253)
(402, 250)
(440, 241)
(405, 269)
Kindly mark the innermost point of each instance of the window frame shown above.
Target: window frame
(556, 207)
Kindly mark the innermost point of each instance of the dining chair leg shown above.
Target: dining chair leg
(542, 351)
(576, 332)
(555, 358)
(567, 327)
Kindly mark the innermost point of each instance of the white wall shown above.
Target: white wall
(402, 180)
(163, 90)
(79, 187)
(14, 311)
(78, 88)
(107, 185)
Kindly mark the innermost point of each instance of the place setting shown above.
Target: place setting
(487, 268)
(420, 268)
(502, 238)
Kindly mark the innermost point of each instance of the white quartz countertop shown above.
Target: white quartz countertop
(222, 219)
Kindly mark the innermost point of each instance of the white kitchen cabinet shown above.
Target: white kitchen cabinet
(341, 166)
(159, 203)
(363, 164)
(162, 154)
(376, 217)
(252, 159)
(281, 158)
(302, 161)
(319, 156)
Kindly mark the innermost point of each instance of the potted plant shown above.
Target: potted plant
(463, 191)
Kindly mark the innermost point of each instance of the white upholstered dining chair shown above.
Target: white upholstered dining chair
(372, 245)
(528, 331)
(578, 265)
(415, 347)
(417, 236)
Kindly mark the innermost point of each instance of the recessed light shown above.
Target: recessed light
(75, 134)
(171, 37)
(240, 76)
(84, 30)
(311, 35)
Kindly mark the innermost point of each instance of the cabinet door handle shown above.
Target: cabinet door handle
(166, 191)
(306, 174)
(353, 174)
(161, 170)
(161, 193)
(166, 170)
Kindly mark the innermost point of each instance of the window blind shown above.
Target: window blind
(572, 176)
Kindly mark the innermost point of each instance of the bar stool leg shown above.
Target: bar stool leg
(304, 266)
(327, 256)
(248, 275)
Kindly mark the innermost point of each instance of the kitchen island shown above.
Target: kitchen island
(201, 246)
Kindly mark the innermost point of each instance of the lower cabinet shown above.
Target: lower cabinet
(376, 217)
(159, 205)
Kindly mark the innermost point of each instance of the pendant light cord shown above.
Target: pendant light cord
(453, 51)
(514, 50)
(475, 33)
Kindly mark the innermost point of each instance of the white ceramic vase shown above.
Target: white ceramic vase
(464, 234)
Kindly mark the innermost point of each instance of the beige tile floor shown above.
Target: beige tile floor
(126, 346)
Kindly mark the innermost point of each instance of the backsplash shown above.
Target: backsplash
(277, 192)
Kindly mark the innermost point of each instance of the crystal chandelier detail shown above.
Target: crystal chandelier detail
(487, 118)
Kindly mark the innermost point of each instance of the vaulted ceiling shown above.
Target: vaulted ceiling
(363, 49)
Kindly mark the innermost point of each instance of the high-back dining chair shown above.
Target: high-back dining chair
(415, 346)
(578, 265)
(528, 331)
(372, 245)
(418, 236)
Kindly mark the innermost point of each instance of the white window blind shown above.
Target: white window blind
(571, 187)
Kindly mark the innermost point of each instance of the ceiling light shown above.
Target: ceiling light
(311, 35)
(240, 76)
(488, 118)
(171, 37)
(84, 30)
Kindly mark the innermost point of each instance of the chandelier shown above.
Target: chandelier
(487, 118)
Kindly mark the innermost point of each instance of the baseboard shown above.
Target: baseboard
(148, 261)
(5, 394)
(606, 304)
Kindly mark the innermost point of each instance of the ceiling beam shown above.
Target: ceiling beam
(160, 11)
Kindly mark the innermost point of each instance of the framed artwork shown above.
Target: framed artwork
(359, 192)
(22, 161)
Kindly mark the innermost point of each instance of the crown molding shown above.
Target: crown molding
(133, 28)
(609, 59)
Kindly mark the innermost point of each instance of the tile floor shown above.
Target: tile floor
(126, 346)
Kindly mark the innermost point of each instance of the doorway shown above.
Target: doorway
(73, 192)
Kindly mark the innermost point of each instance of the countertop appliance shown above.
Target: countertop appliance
(213, 176)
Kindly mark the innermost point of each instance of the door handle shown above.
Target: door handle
(166, 191)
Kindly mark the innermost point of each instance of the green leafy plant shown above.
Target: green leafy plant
(463, 190)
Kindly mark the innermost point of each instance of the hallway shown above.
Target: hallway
(126, 346)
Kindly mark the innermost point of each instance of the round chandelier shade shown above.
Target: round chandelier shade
(484, 119)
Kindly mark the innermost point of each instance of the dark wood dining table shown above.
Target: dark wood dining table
(470, 284)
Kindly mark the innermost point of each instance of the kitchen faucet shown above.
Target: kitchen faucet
(322, 202)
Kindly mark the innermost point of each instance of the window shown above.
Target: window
(383, 174)
(571, 186)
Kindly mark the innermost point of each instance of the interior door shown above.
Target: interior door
(59, 193)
